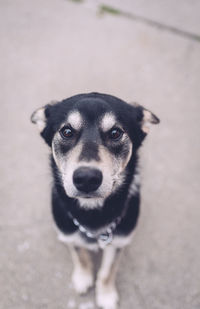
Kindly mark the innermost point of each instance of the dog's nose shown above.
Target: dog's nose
(87, 179)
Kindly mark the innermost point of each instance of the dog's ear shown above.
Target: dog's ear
(40, 115)
(145, 117)
(41, 118)
(148, 119)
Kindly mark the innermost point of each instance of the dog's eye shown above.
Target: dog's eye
(115, 134)
(66, 132)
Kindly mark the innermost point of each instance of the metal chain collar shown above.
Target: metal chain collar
(103, 238)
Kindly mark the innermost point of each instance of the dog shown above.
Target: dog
(94, 140)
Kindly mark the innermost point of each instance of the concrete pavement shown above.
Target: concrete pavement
(53, 49)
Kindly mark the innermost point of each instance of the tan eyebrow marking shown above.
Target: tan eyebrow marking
(107, 122)
(75, 120)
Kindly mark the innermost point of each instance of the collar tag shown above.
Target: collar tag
(105, 239)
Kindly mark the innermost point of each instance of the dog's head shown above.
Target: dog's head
(93, 137)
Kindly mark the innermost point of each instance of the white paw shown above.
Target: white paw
(106, 297)
(82, 280)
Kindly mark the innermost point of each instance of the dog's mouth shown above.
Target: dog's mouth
(90, 200)
(88, 196)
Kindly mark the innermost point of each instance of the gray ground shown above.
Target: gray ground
(52, 49)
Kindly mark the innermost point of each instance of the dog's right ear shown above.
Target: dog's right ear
(41, 118)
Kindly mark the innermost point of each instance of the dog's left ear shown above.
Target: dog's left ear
(145, 118)
(148, 119)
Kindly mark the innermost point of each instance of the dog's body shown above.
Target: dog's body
(95, 198)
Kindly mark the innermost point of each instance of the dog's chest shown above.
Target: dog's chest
(77, 239)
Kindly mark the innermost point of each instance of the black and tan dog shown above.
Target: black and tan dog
(94, 140)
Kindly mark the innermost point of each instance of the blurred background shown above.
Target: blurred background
(138, 50)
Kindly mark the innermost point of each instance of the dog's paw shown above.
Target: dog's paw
(82, 280)
(106, 297)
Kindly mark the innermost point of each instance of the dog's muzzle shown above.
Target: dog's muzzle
(87, 179)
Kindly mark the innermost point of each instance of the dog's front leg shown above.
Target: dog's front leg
(106, 293)
(82, 277)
